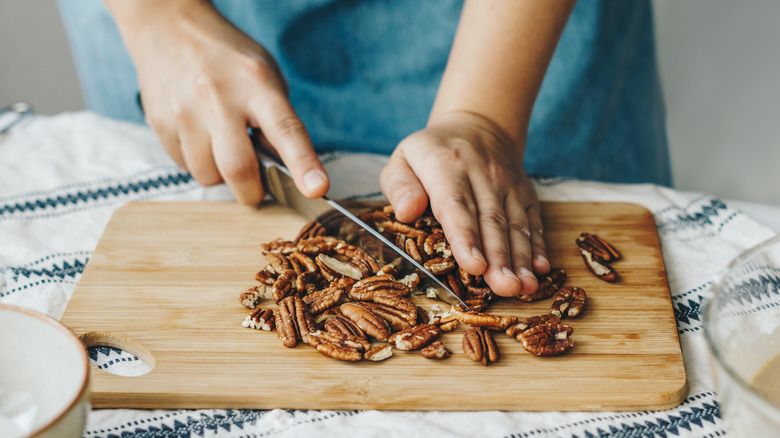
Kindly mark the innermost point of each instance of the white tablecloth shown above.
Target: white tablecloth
(62, 177)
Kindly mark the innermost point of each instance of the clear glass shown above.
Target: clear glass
(742, 328)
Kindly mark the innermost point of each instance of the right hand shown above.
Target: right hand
(203, 82)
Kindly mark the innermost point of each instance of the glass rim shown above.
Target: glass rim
(712, 347)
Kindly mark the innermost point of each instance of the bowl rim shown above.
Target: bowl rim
(712, 347)
(82, 352)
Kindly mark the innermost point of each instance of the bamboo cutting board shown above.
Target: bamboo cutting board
(164, 282)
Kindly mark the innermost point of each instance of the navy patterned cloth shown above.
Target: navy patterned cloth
(62, 177)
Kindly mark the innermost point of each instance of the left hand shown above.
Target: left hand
(473, 175)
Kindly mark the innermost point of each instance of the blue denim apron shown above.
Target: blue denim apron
(363, 75)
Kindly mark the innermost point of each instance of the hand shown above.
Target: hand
(473, 176)
(203, 82)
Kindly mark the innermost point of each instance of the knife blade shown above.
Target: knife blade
(277, 179)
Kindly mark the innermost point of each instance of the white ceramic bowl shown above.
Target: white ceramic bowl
(44, 375)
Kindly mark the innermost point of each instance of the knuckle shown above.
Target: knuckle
(454, 202)
(237, 169)
(289, 125)
(494, 218)
(206, 86)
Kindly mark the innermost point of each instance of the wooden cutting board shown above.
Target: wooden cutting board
(164, 282)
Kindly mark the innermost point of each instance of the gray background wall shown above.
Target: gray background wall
(719, 61)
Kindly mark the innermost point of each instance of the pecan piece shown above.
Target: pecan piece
(411, 248)
(548, 339)
(397, 319)
(410, 281)
(485, 320)
(436, 351)
(323, 299)
(312, 229)
(414, 337)
(309, 282)
(598, 247)
(479, 346)
(302, 263)
(332, 268)
(318, 245)
(404, 305)
(278, 246)
(260, 319)
(548, 285)
(441, 265)
(378, 353)
(293, 322)
(278, 263)
(435, 243)
(475, 305)
(251, 297)
(599, 267)
(266, 276)
(568, 301)
(367, 320)
(284, 286)
(523, 324)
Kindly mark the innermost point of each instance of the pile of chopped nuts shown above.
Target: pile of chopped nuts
(334, 296)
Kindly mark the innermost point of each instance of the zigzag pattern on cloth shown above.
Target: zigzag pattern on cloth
(89, 195)
(697, 219)
(56, 270)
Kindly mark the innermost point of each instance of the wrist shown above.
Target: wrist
(515, 135)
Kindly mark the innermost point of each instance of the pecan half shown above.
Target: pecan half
(342, 324)
(332, 268)
(548, 339)
(323, 299)
(475, 305)
(598, 247)
(479, 346)
(378, 353)
(284, 286)
(309, 282)
(251, 297)
(312, 229)
(441, 265)
(599, 267)
(568, 301)
(436, 351)
(367, 320)
(302, 263)
(266, 276)
(548, 285)
(414, 337)
(485, 320)
(411, 248)
(278, 246)
(365, 289)
(318, 245)
(260, 319)
(293, 322)
(523, 324)
(397, 319)
(339, 346)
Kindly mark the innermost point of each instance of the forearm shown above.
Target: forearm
(499, 57)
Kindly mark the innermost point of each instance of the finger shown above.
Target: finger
(541, 265)
(519, 233)
(235, 158)
(169, 139)
(402, 188)
(197, 152)
(493, 226)
(285, 132)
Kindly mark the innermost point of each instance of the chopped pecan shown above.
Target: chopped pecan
(599, 267)
(309, 282)
(441, 265)
(414, 337)
(339, 346)
(293, 322)
(266, 276)
(568, 301)
(447, 323)
(387, 270)
(475, 305)
(370, 322)
(260, 319)
(485, 320)
(378, 353)
(523, 324)
(436, 351)
(312, 229)
(548, 285)
(284, 286)
(548, 339)
(356, 254)
(342, 324)
(251, 297)
(422, 315)
(278, 246)
(435, 243)
(397, 319)
(332, 268)
(479, 346)
(598, 247)
(323, 299)
(411, 280)
(365, 289)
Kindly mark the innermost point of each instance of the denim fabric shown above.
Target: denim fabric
(363, 75)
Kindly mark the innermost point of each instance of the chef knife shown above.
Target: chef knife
(278, 181)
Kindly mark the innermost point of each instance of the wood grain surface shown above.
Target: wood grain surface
(164, 282)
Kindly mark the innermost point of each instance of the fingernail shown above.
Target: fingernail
(477, 254)
(314, 179)
(403, 198)
(508, 273)
(525, 271)
(542, 259)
